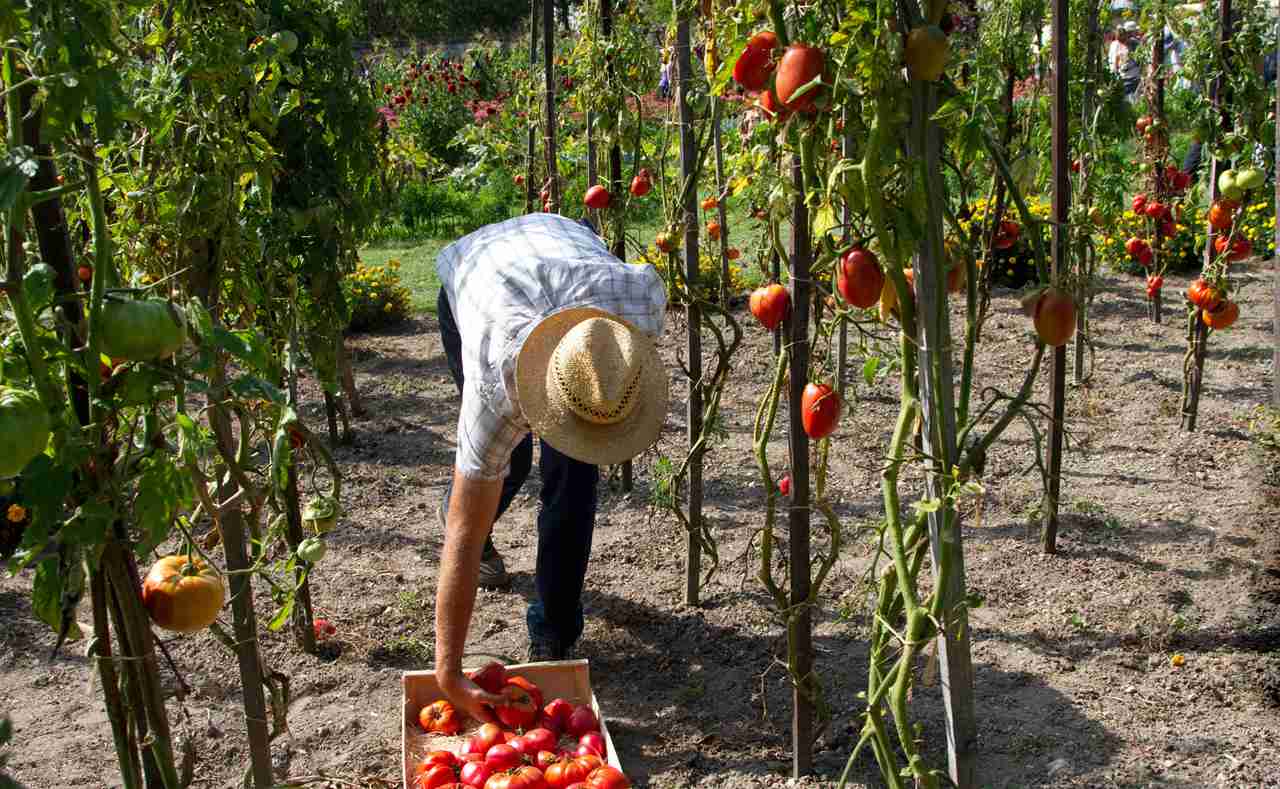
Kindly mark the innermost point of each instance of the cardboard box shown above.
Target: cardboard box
(567, 679)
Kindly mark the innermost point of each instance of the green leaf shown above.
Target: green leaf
(46, 593)
(869, 369)
(928, 505)
(955, 106)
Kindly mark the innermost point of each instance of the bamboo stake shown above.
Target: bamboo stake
(531, 144)
(549, 101)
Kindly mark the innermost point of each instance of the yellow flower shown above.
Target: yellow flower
(17, 513)
(1177, 661)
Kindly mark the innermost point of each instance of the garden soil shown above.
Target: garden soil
(1169, 545)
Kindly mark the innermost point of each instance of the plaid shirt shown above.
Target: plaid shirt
(501, 281)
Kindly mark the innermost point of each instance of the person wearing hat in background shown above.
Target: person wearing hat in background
(1121, 60)
(543, 329)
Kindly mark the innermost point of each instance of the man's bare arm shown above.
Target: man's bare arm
(472, 507)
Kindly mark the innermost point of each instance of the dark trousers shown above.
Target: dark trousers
(566, 520)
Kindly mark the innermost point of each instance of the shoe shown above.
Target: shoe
(541, 649)
(493, 571)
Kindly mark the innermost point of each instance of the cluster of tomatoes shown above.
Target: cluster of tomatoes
(597, 196)
(553, 746)
(1216, 310)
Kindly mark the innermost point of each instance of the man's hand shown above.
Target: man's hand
(468, 697)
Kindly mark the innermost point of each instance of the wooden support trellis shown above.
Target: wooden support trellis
(1061, 251)
(693, 313)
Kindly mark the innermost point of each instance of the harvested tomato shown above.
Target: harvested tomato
(755, 64)
(534, 691)
(1054, 317)
(928, 50)
(819, 410)
(860, 279)
(439, 757)
(769, 304)
(474, 774)
(564, 773)
(640, 186)
(526, 777)
(800, 65)
(490, 677)
(440, 717)
(182, 593)
(437, 776)
(540, 740)
(595, 740)
(1222, 316)
(25, 426)
(597, 197)
(556, 714)
(607, 777)
(520, 708)
(582, 720)
(502, 757)
(142, 330)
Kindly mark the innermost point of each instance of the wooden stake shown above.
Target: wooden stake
(800, 619)
(693, 313)
(1061, 264)
(549, 100)
(530, 189)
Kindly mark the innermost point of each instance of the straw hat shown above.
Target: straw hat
(592, 385)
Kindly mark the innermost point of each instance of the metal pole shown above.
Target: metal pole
(688, 165)
(1060, 266)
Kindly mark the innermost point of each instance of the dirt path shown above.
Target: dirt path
(1168, 545)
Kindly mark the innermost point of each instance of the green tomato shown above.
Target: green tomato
(141, 331)
(24, 429)
(312, 550)
(1249, 178)
(287, 40)
(321, 515)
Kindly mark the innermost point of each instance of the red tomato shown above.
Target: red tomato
(1136, 247)
(710, 203)
(819, 410)
(664, 242)
(519, 179)
(474, 774)
(1155, 209)
(784, 485)
(85, 274)
(799, 65)
(713, 230)
(534, 691)
(770, 304)
(565, 773)
(607, 777)
(1139, 204)
(1203, 295)
(586, 750)
(1221, 317)
(519, 708)
(772, 106)
(860, 279)
(595, 740)
(733, 253)
(545, 759)
(436, 776)
(589, 761)
(440, 717)
(597, 197)
(501, 757)
(582, 721)
(526, 777)
(640, 186)
(541, 740)
(491, 676)
(439, 757)
(556, 714)
(755, 64)
(1054, 317)
(1220, 214)
(1240, 247)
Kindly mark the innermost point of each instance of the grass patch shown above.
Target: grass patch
(417, 268)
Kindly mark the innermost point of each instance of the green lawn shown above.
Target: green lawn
(417, 267)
